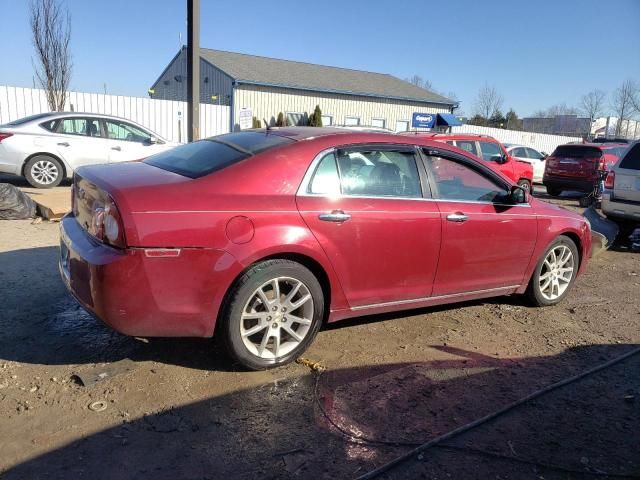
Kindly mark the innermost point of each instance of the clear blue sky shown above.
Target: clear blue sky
(535, 52)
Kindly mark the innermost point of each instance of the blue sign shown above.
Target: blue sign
(423, 120)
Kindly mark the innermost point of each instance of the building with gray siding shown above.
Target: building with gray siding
(268, 86)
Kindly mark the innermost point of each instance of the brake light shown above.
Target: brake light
(106, 223)
(4, 136)
(610, 181)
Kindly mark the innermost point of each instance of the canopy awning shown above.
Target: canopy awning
(447, 120)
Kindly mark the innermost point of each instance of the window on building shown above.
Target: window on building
(402, 126)
(327, 120)
(352, 121)
(296, 119)
(379, 122)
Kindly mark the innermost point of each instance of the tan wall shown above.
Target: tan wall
(266, 102)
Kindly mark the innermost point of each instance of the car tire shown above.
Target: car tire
(551, 281)
(43, 171)
(526, 184)
(283, 327)
(554, 192)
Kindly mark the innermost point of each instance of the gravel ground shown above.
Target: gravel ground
(176, 408)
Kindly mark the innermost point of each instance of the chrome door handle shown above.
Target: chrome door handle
(457, 217)
(64, 144)
(116, 148)
(334, 216)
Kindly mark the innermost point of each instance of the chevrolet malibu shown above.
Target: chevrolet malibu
(262, 236)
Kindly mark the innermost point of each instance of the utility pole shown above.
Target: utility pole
(193, 70)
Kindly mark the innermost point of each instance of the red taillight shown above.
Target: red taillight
(106, 223)
(4, 136)
(610, 181)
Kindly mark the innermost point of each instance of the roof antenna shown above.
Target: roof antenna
(266, 124)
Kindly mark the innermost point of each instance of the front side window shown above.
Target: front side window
(468, 145)
(491, 152)
(379, 173)
(117, 130)
(456, 181)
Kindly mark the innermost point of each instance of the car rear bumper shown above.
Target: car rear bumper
(142, 295)
(568, 183)
(618, 208)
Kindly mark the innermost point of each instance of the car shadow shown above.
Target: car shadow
(345, 422)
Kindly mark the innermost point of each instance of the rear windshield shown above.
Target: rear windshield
(21, 121)
(577, 151)
(631, 160)
(201, 158)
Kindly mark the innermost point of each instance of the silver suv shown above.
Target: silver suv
(621, 197)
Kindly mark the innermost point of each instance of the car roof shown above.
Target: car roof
(452, 136)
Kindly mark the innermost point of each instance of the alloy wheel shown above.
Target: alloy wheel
(44, 172)
(277, 317)
(557, 272)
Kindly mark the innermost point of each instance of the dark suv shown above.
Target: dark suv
(576, 166)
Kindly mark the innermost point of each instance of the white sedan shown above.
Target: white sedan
(48, 147)
(530, 155)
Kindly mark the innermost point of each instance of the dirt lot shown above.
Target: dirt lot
(179, 409)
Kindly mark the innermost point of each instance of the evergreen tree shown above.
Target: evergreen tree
(280, 122)
(315, 119)
(256, 123)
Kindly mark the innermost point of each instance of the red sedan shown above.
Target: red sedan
(261, 236)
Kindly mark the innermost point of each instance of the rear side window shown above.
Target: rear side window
(51, 125)
(631, 160)
(577, 151)
(201, 158)
(469, 146)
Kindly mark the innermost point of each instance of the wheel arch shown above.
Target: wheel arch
(307, 261)
(65, 168)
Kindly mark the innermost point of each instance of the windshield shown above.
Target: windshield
(201, 158)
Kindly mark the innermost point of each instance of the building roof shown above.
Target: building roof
(273, 72)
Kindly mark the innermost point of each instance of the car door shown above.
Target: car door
(486, 242)
(537, 160)
(80, 141)
(365, 206)
(492, 152)
(128, 142)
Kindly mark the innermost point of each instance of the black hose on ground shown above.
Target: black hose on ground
(469, 426)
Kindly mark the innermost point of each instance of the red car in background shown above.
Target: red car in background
(490, 150)
(577, 166)
(261, 236)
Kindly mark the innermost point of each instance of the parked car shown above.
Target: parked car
(48, 147)
(529, 155)
(621, 196)
(490, 150)
(262, 236)
(576, 166)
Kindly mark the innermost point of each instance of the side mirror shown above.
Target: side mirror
(518, 195)
(497, 158)
(152, 140)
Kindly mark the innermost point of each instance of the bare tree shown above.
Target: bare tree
(592, 104)
(418, 81)
(488, 101)
(624, 102)
(51, 30)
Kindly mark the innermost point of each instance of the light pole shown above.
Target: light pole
(193, 70)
